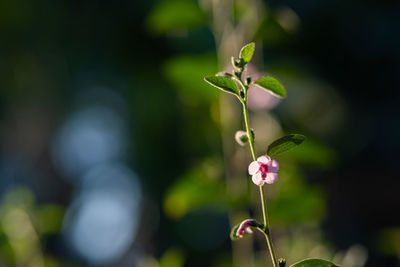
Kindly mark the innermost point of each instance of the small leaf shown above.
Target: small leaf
(314, 263)
(284, 144)
(246, 53)
(223, 83)
(273, 85)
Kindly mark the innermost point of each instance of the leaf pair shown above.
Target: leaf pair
(227, 84)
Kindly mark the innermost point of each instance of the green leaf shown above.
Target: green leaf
(314, 263)
(223, 83)
(284, 144)
(273, 85)
(246, 53)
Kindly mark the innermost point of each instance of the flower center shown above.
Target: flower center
(263, 169)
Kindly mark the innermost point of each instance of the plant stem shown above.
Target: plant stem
(251, 138)
(263, 204)
(266, 228)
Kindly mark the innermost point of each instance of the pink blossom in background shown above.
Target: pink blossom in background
(264, 170)
(260, 99)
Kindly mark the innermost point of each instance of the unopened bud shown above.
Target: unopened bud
(235, 63)
(241, 138)
(248, 80)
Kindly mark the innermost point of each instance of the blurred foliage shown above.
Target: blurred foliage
(175, 15)
(388, 241)
(197, 188)
(23, 226)
(173, 257)
(186, 72)
(315, 154)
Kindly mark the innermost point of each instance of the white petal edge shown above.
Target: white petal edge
(264, 159)
(257, 179)
(271, 178)
(254, 167)
(273, 166)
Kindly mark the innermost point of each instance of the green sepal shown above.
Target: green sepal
(272, 85)
(284, 144)
(233, 232)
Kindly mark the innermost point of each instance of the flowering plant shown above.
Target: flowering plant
(263, 168)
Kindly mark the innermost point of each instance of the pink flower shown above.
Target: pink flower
(264, 170)
(245, 227)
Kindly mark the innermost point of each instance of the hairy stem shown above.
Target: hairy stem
(263, 204)
(250, 135)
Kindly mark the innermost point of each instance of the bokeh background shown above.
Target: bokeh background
(114, 152)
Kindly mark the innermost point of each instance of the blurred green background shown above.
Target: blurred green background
(115, 152)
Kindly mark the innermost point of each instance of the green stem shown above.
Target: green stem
(246, 121)
(263, 204)
(266, 228)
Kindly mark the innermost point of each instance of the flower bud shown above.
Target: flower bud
(244, 228)
(235, 63)
(241, 138)
(281, 262)
(248, 80)
(252, 133)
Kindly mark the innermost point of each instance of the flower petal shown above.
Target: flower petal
(253, 167)
(244, 227)
(271, 178)
(273, 166)
(264, 159)
(248, 230)
(257, 179)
